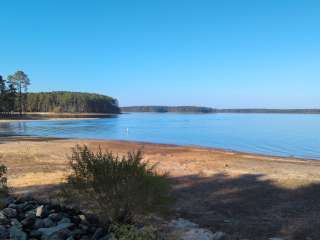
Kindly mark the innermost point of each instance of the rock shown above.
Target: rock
(77, 233)
(181, 223)
(219, 236)
(28, 206)
(31, 213)
(83, 227)
(98, 234)
(17, 234)
(10, 212)
(183, 229)
(39, 223)
(64, 220)
(28, 221)
(4, 233)
(82, 217)
(197, 234)
(16, 223)
(40, 211)
(55, 216)
(108, 237)
(35, 234)
(47, 223)
(276, 238)
(3, 219)
(13, 205)
(60, 230)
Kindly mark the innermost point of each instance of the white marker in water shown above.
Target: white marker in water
(127, 130)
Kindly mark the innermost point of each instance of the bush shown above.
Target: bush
(117, 188)
(129, 232)
(3, 180)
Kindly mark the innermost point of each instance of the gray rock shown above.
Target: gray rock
(39, 223)
(17, 234)
(98, 234)
(47, 223)
(40, 211)
(55, 216)
(31, 213)
(77, 233)
(16, 223)
(219, 236)
(82, 217)
(108, 237)
(3, 219)
(64, 220)
(58, 232)
(13, 205)
(28, 221)
(35, 234)
(4, 233)
(83, 227)
(10, 212)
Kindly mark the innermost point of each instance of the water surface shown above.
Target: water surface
(272, 134)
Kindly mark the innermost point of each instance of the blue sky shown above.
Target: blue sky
(168, 52)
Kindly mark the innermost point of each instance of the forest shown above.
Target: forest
(15, 98)
(71, 102)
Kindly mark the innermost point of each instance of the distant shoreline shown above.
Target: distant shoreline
(43, 116)
(204, 110)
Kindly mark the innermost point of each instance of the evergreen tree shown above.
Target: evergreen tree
(2, 94)
(20, 81)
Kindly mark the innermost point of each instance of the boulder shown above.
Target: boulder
(16, 223)
(60, 231)
(4, 233)
(97, 234)
(3, 219)
(47, 223)
(39, 223)
(28, 221)
(64, 220)
(10, 212)
(17, 234)
(55, 216)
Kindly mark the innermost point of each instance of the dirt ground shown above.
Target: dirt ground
(246, 195)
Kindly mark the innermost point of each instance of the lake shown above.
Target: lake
(272, 134)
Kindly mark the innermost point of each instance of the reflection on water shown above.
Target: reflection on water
(274, 134)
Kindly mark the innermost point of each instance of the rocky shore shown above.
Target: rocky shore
(25, 218)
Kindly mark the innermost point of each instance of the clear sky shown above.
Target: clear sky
(219, 53)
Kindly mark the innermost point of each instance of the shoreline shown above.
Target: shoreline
(239, 193)
(50, 116)
(10, 138)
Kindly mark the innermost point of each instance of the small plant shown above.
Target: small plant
(117, 188)
(130, 232)
(3, 179)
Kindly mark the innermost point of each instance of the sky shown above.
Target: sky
(216, 53)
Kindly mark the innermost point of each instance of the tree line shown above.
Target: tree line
(14, 97)
(71, 102)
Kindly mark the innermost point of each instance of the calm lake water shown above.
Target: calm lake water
(272, 134)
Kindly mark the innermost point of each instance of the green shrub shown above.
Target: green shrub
(3, 179)
(129, 232)
(117, 188)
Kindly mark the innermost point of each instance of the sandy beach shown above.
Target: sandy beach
(235, 192)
